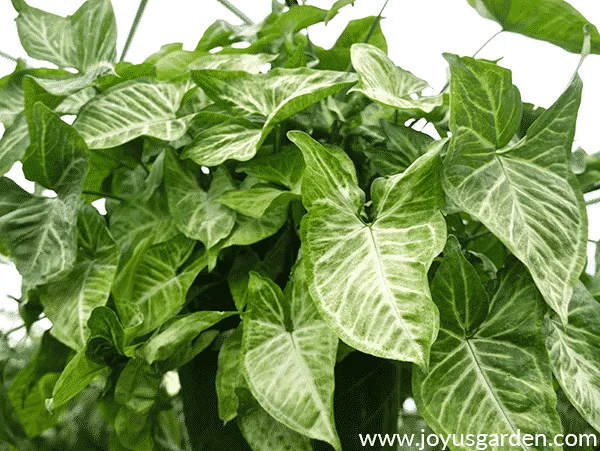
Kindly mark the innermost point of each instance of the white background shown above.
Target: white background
(418, 32)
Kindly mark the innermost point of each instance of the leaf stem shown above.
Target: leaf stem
(134, 27)
(8, 57)
(593, 201)
(107, 195)
(14, 329)
(236, 11)
(375, 22)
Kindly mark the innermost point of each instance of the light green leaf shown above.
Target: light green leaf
(335, 8)
(293, 20)
(142, 107)
(264, 433)
(11, 95)
(369, 279)
(284, 168)
(197, 213)
(255, 201)
(287, 328)
(14, 143)
(38, 231)
(249, 230)
(496, 377)
(554, 21)
(383, 82)
(229, 375)
(236, 139)
(523, 193)
(156, 282)
(77, 375)
(69, 301)
(180, 62)
(83, 40)
(575, 353)
(137, 387)
(275, 96)
(57, 158)
(179, 332)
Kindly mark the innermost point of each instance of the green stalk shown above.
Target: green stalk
(236, 11)
(8, 57)
(133, 29)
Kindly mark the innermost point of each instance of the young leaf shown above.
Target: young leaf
(135, 108)
(69, 301)
(283, 168)
(497, 376)
(256, 200)
(77, 375)
(86, 39)
(286, 327)
(383, 82)
(523, 193)
(198, 213)
(105, 329)
(369, 280)
(155, 281)
(554, 21)
(575, 353)
(179, 332)
(38, 231)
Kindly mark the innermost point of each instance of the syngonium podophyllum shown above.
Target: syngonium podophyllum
(282, 238)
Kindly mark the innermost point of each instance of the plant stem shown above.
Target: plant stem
(593, 201)
(375, 23)
(109, 196)
(236, 11)
(133, 29)
(14, 329)
(8, 57)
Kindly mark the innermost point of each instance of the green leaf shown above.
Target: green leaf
(155, 281)
(77, 375)
(87, 38)
(57, 158)
(179, 332)
(38, 231)
(256, 200)
(197, 212)
(554, 21)
(137, 387)
(496, 377)
(283, 168)
(286, 328)
(275, 96)
(229, 375)
(335, 8)
(105, 330)
(14, 143)
(403, 146)
(294, 20)
(385, 83)
(135, 108)
(69, 301)
(575, 353)
(385, 261)
(264, 433)
(522, 192)
(357, 31)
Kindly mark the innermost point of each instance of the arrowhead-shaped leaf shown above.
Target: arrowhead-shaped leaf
(288, 329)
(68, 302)
(283, 168)
(14, 143)
(369, 280)
(383, 82)
(274, 96)
(85, 39)
(524, 192)
(489, 376)
(575, 354)
(256, 200)
(135, 108)
(198, 213)
(554, 21)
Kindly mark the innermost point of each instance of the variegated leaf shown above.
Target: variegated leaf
(369, 277)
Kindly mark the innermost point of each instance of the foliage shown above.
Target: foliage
(285, 243)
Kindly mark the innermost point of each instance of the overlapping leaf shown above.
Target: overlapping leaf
(575, 353)
(287, 328)
(369, 280)
(523, 192)
(489, 367)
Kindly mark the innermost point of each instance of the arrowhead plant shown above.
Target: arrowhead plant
(283, 261)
